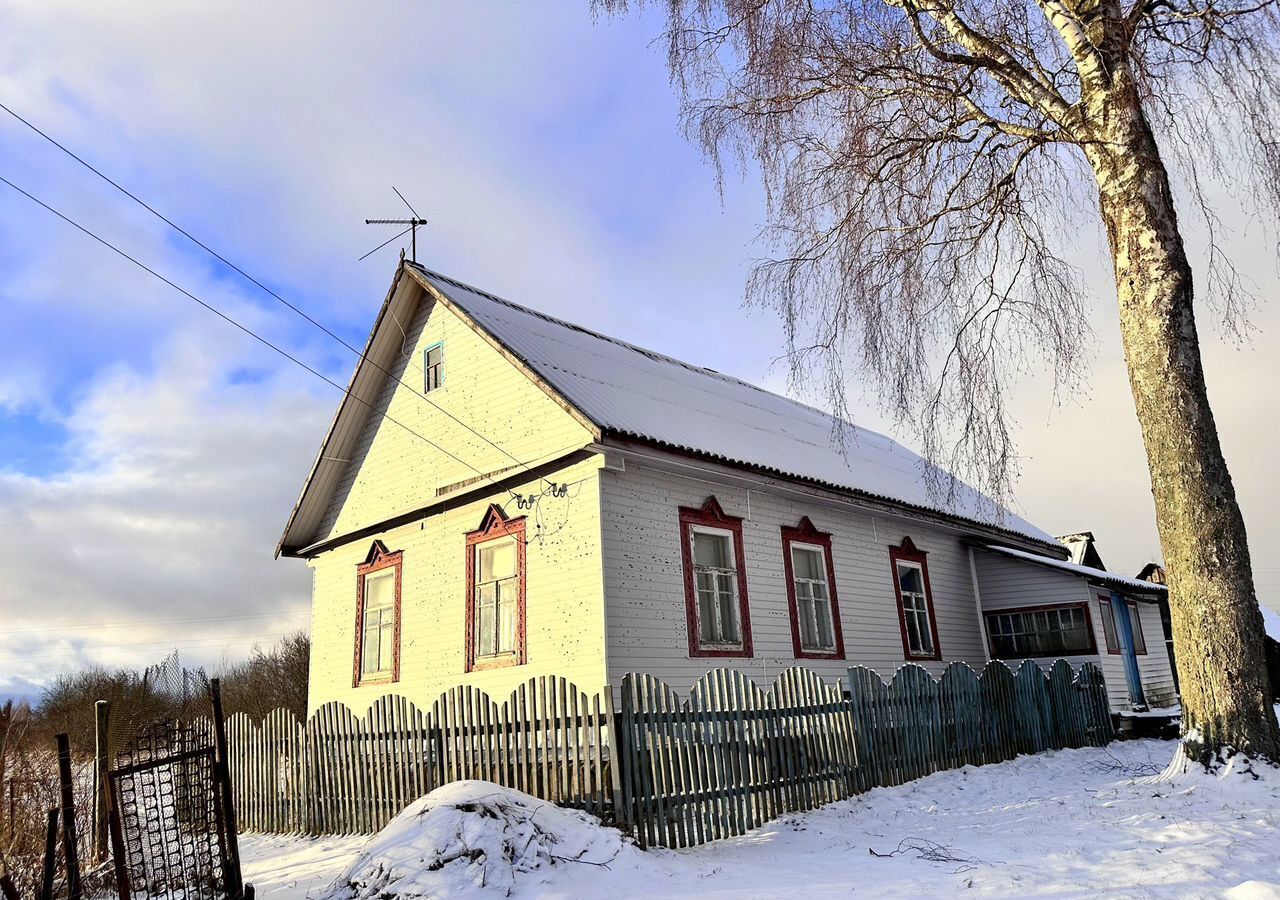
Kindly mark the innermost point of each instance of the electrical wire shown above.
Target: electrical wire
(259, 284)
(253, 334)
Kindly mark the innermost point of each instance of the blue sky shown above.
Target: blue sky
(149, 454)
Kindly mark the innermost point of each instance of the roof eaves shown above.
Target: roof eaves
(841, 489)
(343, 406)
(423, 277)
(1095, 576)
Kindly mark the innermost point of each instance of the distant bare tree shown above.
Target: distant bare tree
(926, 164)
(271, 678)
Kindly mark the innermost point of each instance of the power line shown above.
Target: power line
(253, 334)
(218, 256)
(138, 623)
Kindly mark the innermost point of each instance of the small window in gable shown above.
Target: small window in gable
(433, 366)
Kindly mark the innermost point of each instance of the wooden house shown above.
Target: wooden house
(502, 494)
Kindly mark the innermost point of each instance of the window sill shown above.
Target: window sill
(820, 654)
(922, 657)
(714, 651)
(376, 680)
(495, 662)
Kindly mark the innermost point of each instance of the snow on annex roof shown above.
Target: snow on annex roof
(1102, 575)
(633, 392)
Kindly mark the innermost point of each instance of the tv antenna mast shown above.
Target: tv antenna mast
(411, 229)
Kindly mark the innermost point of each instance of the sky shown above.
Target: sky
(150, 453)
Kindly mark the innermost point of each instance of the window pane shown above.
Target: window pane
(822, 618)
(387, 645)
(486, 634)
(806, 563)
(808, 626)
(434, 354)
(711, 550)
(708, 621)
(729, 630)
(369, 647)
(496, 559)
(380, 589)
(926, 635)
(507, 611)
(910, 579)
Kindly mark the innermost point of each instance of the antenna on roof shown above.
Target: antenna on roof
(412, 229)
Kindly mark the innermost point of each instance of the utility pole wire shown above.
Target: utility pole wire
(253, 334)
(218, 256)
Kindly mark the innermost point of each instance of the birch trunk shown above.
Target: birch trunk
(1217, 623)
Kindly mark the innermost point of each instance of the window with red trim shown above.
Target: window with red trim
(377, 653)
(1135, 622)
(1109, 624)
(715, 581)
(496, 625)
(811, 592)
(915, 601)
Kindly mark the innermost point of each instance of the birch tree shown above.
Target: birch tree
(929, 164)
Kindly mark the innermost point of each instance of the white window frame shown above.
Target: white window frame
(922, 615)
(500, 601)
(796, 581)
(426, 369)
(386, 625)
(732, 570)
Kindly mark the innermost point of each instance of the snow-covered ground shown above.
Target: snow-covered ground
(1078, 823)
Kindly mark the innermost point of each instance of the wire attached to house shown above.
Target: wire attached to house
(253, 334)
(260, 285)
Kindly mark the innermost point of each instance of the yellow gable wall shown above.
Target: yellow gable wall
(564, 601)
(393, 470)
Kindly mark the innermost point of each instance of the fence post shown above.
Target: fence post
(70, 852)
(235, 887)
(50, 856)
(101, 784)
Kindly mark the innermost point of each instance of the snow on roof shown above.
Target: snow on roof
(1146, 587)
(633, 392)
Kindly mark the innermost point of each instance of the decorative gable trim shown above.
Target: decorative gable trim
(377, 552)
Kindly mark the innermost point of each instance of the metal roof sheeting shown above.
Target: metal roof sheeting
(1133, 584)
(634, 392)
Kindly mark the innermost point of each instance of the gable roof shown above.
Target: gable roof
(1096, 576)
(624, 391)
(629, 391)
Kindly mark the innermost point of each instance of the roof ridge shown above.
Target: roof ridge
(636, 348)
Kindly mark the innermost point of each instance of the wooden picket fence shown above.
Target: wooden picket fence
(341, 774)
(678, 770)
(731, 756)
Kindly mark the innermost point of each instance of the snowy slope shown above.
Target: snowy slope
(1078, 823)
(639, 393)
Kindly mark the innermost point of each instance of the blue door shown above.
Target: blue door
(1124, 629)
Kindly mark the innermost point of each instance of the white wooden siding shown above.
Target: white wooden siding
(392, 470)
(646, 622)
(564, 603)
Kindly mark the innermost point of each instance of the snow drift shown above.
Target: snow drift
(475, 838)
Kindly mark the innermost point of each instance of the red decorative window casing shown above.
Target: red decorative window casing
(806, 533)
(710, 515)
(908, 552)
(378, 558)
(494, 525)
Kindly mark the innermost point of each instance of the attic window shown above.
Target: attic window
(433, 366)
